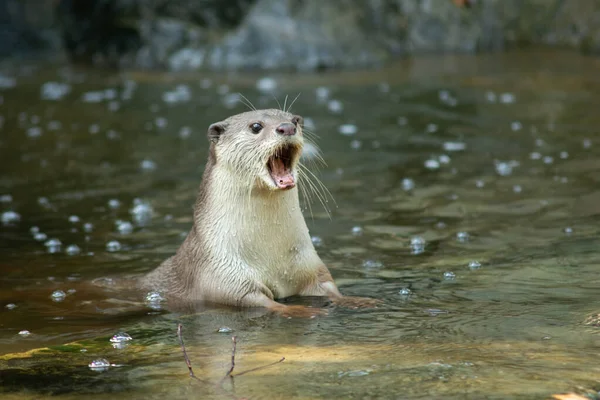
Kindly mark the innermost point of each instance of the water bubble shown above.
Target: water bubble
(110, 94)
(225, 329)
(479, 183)
(335, 106)
(517, 189)
(474, 264)
(113, 246)
(322, 93)
(417, 245)
(266, 84)
(444, 159)
(402, 121)
(535, 155)
(568, 230)
(161, 122)
(88, 227)
(454, 146)
(114, 204)
(54, 90)
(180, 94)
(94, 129)
(348, 129)
(153, 300)
(507, 98)
(92, 97)
(357, 231)
(405, 292)
(154, 296)
(6, 198)
(548, 160)
(230, 100)
(7, 82)
(431, 128)
(185, 132)
(24, 333)
(58, 296)
(462, 236)
(40, 236)
(53, 245)
(356, 144)
(587, 143)
(372, 264)
(440, 225)
(148, 165)
(490, 97)
(10, 217)
(124, 227)
(73, 219)
(100, 364)
(141, 212)
(72, 250)
(120, 337)
(309, 123)
(384, 87)
(516, 126)
(408, 184)
(432, 164)
(317, 241)
(223, 89)
(505, 168)
(112, 134)
(10, 306)
(34, 132)
(449, 275)
(564, 155)
(354, 373)
(54, 125)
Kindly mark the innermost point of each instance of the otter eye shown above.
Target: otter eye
(256, 127)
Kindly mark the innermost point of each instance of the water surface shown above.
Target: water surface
(466, 197)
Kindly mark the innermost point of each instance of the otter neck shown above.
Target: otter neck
(233, 212)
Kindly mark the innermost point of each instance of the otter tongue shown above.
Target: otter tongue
(281, 175)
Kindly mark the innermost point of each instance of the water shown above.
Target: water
(512, 210)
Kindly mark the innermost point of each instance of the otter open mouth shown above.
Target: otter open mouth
(280, 167)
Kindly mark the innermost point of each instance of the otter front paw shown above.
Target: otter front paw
(356, 302)
(298, 311)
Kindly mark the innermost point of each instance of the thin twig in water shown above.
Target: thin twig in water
(219, 385)
(234, 340)
(185, 356)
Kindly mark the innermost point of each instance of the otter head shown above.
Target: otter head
(261, 148)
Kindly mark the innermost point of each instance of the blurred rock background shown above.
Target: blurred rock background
(293, 34)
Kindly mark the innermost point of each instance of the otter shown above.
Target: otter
(249, 244)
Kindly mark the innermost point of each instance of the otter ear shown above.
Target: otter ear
(297, 120)
(215, 131)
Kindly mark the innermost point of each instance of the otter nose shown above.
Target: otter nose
(286, 129)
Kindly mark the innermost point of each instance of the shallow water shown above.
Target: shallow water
(466, 197)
